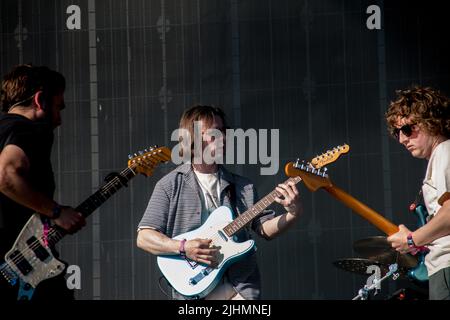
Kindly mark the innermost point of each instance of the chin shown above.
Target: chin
(417, 154)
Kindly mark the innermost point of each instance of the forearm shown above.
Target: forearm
(15, 186)
(436, 228)
(272, 228)
(157, 243)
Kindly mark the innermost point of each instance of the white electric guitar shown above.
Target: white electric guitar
(30, 261)
(195, 280)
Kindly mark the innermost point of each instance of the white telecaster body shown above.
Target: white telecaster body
(197, 280)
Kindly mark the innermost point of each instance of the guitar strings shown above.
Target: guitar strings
(214, 234)
(107, 187)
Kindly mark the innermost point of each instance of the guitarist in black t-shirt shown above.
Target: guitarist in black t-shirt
(31, 100)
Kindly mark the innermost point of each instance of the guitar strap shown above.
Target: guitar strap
(231, 193)
(416, 202)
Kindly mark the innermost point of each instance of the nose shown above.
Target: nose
(402, 138)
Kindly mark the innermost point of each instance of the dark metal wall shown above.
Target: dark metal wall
(309, 68)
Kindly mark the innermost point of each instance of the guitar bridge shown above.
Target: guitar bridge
(8, 274)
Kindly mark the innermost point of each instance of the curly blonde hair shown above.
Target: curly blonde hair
(423, 105)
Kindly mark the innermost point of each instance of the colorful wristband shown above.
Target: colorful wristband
(415, 249)
(181, 249)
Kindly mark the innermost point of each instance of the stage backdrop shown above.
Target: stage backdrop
(312, 69)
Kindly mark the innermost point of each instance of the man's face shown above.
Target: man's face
(210, 141)
(415, 138)
(53, 111)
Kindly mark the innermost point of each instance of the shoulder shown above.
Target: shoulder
(173, 177)
(15, 123)
(17, 130)
(443, 147)
(240, 182)
(442, 153)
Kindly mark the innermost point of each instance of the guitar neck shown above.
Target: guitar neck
(364, 211)
(105, 192)
(244, 219)
(96, 200)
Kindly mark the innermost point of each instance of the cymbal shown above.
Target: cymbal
(380, 250)
(360, 265)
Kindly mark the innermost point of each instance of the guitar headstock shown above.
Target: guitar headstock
(330, 156)
(313, 178)
(310, 172)
(145, 161)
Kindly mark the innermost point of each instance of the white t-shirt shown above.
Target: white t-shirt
(435, 184)
(210, 186)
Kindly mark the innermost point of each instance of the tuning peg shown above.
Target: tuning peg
(130, 156)
(135, 155)
(145, 150)
(141, 152)
(155, 146)
(324, 172)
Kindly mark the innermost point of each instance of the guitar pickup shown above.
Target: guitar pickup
(199, 277)
(40, 252)
(21, 263)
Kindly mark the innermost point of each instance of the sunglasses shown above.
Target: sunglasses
(407, 130)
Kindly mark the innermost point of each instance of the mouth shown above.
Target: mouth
(410, 148)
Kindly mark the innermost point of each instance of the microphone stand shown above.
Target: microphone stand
(363, 293)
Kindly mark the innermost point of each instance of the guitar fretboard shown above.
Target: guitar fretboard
(94, 201)
(242, 220)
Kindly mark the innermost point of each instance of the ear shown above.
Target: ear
(39, 100)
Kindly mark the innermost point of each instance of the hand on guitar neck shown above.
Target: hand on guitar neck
(291, 198)
(399, 240)
(70, 220)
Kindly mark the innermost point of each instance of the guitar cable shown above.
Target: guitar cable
(161, 288)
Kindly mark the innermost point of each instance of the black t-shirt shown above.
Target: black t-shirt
(36, 140)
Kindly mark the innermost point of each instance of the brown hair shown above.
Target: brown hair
(198, 113)
(23, 81)
(423, 105)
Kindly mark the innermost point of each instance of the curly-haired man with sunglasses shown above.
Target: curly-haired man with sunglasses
(420, 120)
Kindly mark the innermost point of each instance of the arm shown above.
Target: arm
(436, 228)
(291, 202)
(439, 226)
(159, 244)
(14, 167)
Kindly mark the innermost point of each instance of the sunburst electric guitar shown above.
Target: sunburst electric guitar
(30, 261)
(315, 179)
(197, 280)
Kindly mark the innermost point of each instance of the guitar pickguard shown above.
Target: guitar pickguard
(30, 259)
